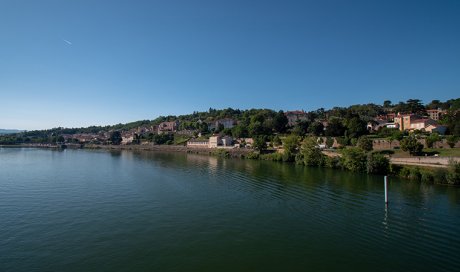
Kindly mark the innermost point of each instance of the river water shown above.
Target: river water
(80, 210)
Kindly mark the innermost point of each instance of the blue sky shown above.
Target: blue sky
(80, 63)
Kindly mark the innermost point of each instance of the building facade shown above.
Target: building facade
(167, 127)
(295, 116)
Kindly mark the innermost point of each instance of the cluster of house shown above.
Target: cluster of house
(403, 122)
(87, 137)
(172, 127)
(299, 115)
(410, 122)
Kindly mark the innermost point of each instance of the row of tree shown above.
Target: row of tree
(349, 122)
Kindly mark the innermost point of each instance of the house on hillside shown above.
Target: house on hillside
(127, 138)
(167, 127)
(415, 122)
(441, 130)
(421, 124)
(435, 114)
(377, 124)
(225, 122)
(295, 116)
(404, 120)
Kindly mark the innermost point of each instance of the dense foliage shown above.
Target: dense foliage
(348, 123)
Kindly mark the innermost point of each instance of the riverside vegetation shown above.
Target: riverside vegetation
(358, 159)
(299, 141)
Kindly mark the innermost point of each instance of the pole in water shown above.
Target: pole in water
(385, 182)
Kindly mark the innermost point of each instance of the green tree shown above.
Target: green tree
(354, 159)
(257, 128)
(301, 128)
(219, 128)
(415, 106)
(453, 174)
(431, 139)
(396, 135)
(356, 127)
(316, 128)
(343, 141)
(452, 140)
(280, 122)
(203, 127)
(377, 164)
(60, 139)
(161, 139)
(239, 131)
(115, 137)
(329, 142)
(311, 154)
(335, 128)
(387, 104)
(354, 141)
(365, 143)
(290, 145)
(277, 141)
(411, 145)
(259, 143)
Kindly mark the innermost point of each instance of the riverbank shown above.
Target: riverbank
(228, 152)
(439, 170)
(433, 162)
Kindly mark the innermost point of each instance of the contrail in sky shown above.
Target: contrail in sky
(68, 42)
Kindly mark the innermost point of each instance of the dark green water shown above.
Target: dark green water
(77, 210)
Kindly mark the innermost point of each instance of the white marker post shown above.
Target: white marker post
(385, 182)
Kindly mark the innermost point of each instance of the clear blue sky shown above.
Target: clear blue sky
(80, 63)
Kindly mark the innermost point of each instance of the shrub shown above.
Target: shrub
(354, 141)
(404, 172)
(385, 152)
(395, 170)
(377, 164)
(221, 153)
(290, 145)
(427, 175)
(453, 173)
(354, 159)
(311, 154)
(439, 175)
(431, 139)
(272, 157)
(329, 142)
(252, 156)
(414, 173)
(365, 143)
(342, 141)
(412, 145)
(332, 162)
(452, 140)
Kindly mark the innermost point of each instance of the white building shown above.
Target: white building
(213, 142)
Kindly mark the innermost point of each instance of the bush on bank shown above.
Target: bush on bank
(357, 160)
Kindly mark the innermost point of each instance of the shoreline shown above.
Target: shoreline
(234, 152)
(411, 168)
(425, 162)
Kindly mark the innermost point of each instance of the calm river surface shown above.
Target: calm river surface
(79, 210)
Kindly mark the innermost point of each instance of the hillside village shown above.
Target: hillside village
(264, 129)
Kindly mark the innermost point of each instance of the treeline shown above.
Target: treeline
(359, 158)
(349, 123)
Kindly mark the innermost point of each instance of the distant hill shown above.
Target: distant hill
(9, 131)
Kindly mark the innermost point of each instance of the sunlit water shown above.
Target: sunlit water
(78, 210)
